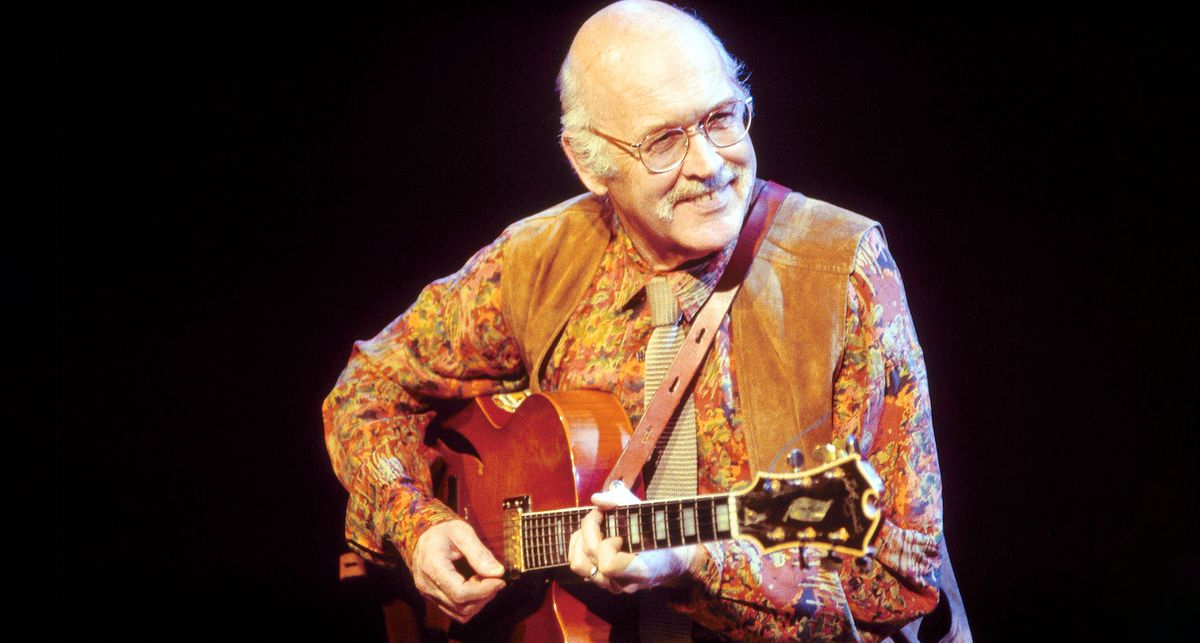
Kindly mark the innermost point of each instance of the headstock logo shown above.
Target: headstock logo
(806, 509)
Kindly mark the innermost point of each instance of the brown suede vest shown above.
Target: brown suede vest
(788, 321)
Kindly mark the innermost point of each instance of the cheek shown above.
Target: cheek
(743, 156)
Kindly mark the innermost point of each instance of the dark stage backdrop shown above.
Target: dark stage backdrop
(246, 188)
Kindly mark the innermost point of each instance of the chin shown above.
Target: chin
(708, 234)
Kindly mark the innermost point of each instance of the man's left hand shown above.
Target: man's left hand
(601, 561)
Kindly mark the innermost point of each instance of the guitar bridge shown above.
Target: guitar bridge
(514, 550)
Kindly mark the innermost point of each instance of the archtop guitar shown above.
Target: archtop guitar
(521, 470)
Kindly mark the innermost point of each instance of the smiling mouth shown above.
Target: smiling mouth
(705, 199)
(709, 199)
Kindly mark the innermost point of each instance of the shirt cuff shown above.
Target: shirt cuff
(392, 519)
(408, 514)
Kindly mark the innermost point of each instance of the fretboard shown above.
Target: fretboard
(658, 524)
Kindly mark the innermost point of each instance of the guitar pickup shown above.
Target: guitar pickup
(514, 549)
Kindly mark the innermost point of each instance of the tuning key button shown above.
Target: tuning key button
(796, 459)
(825, 453)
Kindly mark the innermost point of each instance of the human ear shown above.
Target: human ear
(590, 180)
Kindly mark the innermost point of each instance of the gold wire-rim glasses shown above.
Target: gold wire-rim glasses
(703, 125)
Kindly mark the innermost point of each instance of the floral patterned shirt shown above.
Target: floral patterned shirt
(454, 343)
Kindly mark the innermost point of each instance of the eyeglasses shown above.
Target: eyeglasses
(664, 150)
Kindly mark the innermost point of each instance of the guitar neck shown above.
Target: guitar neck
(656, 524)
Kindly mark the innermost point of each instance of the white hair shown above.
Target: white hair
(591, 151)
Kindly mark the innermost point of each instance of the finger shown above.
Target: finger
(604, 582)
(451, 613)
(462, 608)
(434, 593)
(580, 564)
(436, 575)
(609, 557)
(460, 592)
(617, 567)
(459, 615)
(454, 590)
(478, 556)
(614, 497)
(589, 528)
(480, 589)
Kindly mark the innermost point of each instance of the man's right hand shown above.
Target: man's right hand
(435, 576)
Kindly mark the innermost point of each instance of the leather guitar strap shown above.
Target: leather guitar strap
(675, 385)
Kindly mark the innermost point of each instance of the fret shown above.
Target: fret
(646, 513)
(704, 510)
(527, 540)
(642, 527)
(635, 529)
(660, 524)
(687, 522)
(537, 542)
(541, 541)
(623, 528)
(722, 511)
(674, 525)
(535, 539)
(536, 536)
(560, 545)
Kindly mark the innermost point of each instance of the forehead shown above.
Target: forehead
(665, 87)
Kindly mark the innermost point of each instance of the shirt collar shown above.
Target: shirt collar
(692, 282)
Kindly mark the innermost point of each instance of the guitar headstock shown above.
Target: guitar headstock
(831, 506)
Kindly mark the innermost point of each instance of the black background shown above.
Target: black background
(247, 188)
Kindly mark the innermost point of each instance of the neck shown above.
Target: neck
(659, 259)
(657, 524)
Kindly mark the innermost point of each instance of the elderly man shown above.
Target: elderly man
(655, 124)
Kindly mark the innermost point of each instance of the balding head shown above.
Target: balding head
(621, 52)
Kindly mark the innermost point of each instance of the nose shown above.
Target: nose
(702, 160)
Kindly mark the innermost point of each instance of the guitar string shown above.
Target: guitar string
(671, 509)
(544, 533)
(547, 552)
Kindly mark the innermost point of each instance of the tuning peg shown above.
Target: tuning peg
(825, 453)
(795, 458)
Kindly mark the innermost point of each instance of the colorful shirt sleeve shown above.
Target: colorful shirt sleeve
(880, 397)
(451, 344)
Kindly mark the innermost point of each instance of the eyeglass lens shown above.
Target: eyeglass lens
(724, 126)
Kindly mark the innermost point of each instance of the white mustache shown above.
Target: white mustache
(696, 189)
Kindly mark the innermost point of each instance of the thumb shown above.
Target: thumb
(614, 498)
(478, 556)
